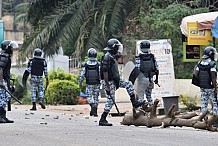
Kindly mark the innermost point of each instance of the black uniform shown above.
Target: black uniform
(5, 65)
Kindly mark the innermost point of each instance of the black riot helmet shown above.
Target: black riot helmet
(8, 46)
(145, 46)
(92, 54)
(209, 52)
(37, 53)
(114, 46)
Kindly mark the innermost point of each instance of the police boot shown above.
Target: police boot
(103, 121)
(1, 116)
(42, 104)
(4, 117)
(91, 112)
(94, 109)
(34, 107)
(135, 102)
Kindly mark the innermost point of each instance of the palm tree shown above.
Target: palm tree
(85, 23)
(20, 11)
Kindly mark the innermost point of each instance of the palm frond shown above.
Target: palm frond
(61, 26)
(20, 18)
(21, 8)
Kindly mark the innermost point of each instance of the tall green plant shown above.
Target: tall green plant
(164, 23)
(87, 23)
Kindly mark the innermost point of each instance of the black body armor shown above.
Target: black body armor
(205, 79)
(37, 66)
(4, 59)
(110, 65)
(92, 74)
(147, 65)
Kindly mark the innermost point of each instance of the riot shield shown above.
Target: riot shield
(139, 81)
(19, 73)
(127, 70)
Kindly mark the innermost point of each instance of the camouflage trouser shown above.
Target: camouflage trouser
(37, 86)
(147, 93)
(123, 84)
(4, 96)
(207, 94)
(93, 90)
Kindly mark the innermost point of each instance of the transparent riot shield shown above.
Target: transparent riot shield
(139, 81)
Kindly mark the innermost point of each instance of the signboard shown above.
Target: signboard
(198, 37)
(1, 31)
(163, 52)
(192, 53)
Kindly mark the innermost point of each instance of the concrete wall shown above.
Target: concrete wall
(58, 62)
(183, 87)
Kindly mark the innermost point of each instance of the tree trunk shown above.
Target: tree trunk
(147, 117)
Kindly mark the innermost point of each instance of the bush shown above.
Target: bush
(189, 102)
(62, 92)
(61, 75)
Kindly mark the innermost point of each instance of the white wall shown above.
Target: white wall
(58, 61)
(184, 87)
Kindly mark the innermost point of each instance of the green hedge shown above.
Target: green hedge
(62, 92)
(63, 88)
(61, 75)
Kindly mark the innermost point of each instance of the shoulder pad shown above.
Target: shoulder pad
(212, 63)
(152, 55)
(106, 56)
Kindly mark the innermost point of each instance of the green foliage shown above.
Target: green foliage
(19, 92)
(86, 23)
(163, 22)
(91, 23)
(99, 56)
(62, 92)
(63, 88)
(189, 102)
(61, 75)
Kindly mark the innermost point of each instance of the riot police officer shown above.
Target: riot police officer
(111, 79)
(36, 67)
(206, 75)
(147, 64)
(91, 71)
(6, 52)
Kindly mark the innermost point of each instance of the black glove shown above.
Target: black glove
(156, 81)
(108, 92)
(12, 89)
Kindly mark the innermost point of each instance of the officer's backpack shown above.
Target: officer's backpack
(92, 74)
(147, 66)
(203, 78)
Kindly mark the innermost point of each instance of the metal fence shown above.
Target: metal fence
(75, 65)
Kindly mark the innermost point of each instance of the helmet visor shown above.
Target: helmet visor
(13, 45)
(120, 49)
(145, 50)
(205, 57)
(106, 49)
